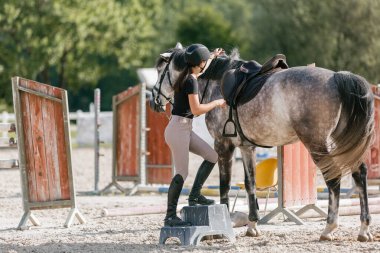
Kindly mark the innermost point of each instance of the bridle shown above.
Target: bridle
(156, 98)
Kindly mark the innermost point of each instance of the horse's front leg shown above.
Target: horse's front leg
(360, 178)
(333, 186)
(249, 162)
(225, 150)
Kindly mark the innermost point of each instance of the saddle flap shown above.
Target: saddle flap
(228, 83)
(250, 67)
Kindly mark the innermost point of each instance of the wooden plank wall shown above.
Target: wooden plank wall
(299, 176)
(373, 161)
(127, 133)
(159, 152)
(44, 143)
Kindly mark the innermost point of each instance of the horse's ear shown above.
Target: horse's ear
(179, 45)
(165, 56)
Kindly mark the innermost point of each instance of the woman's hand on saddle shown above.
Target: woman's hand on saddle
(220, 103)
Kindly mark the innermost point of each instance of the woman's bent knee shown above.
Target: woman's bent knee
(184, 174)
(212, 157)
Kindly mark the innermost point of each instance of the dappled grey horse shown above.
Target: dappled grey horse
(331, 113)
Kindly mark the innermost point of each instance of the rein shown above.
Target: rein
(204, 91)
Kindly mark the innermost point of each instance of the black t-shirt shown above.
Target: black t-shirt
(181, 106)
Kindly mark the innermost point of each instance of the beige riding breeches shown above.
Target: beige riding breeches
(181, 139)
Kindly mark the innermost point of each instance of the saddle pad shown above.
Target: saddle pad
(228, 83)
(251, 88)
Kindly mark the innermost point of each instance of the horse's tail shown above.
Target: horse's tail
(351, 140)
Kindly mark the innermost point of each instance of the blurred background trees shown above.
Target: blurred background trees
(80, 45)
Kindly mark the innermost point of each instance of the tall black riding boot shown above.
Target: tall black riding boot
(171, 219)
(195, 196)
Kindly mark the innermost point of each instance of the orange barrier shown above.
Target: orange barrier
(297, 183)
(299, 176)
(159, 160)
(373, 161)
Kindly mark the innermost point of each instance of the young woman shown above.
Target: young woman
(180, 137)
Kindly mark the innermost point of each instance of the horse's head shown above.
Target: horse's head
(169, 65)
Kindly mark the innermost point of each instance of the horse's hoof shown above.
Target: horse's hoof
(252, 230)
(365, 238)
(326, 238)
(252, 233)
(362, 238)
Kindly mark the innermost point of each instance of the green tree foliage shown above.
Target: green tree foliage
(238, 14)
(340, 35)
(79, 45)
(74, 43)
(206, 26)
(166, 25)
(215, 24)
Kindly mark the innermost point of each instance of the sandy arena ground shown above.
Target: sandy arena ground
(141, 233)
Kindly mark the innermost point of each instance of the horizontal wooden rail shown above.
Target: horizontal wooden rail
(8, 164)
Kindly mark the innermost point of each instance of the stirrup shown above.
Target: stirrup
(231, 121)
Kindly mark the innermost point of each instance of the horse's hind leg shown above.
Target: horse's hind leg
(225, 150)
(333, 186)
(360, 178)
(318, 152)
(249, 162)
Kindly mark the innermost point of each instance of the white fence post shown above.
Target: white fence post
(4, 119)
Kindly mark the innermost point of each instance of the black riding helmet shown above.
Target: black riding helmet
(196, 53)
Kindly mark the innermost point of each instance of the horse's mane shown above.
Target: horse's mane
(221, 64)
(216, 69)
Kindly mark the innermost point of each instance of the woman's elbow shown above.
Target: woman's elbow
(196, 112)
